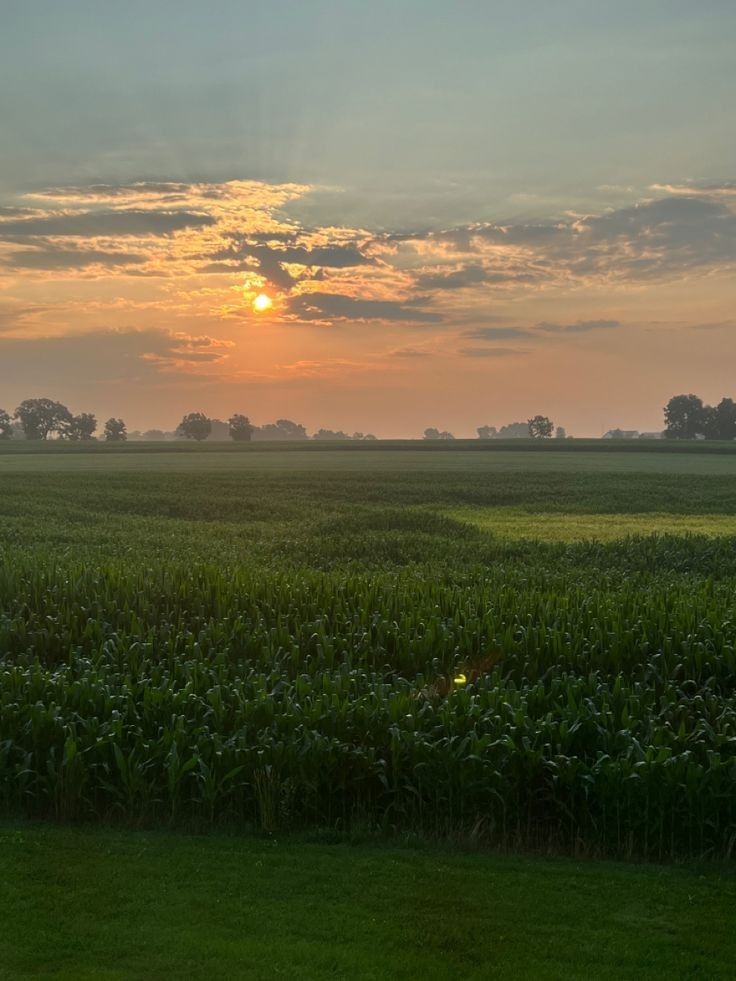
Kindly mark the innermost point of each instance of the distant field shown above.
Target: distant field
(534, 645)
(511, 523)
(462, 456)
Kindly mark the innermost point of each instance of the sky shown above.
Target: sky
(462, 213)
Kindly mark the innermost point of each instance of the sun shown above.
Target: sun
(262, 303)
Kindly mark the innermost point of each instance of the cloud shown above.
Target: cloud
(459, 279)
(652, 240)
(489, 352)
(108, 223)
(104, 357)
(336, 306)
(495, 333)
(50, 258)
(579, 327)
(690, 188)
(410, 352)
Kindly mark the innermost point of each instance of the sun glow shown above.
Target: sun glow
(262, 303)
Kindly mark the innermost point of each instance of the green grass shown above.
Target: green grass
(99, 904)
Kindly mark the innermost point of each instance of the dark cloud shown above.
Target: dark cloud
(494, 333)
(489, 352)
(249, 256)
(266, 237)
(456, 280)
(332, 256)
(579, 327)
(651, 240)
(111, 223)
(50, 259)
(334, 306)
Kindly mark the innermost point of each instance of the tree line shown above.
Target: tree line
(688, 417)
(538, 427)
(43, 418)
(37, 419)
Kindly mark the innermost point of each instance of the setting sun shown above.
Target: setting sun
(262, 302)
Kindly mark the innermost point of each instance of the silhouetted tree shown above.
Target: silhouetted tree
(240, 428)
(487, 432)
(115, 431)
(330, 434)
(195, 425)
(684, 417)
(39, 417)
(6, 425)
(719, 422)
(281, 429)
(370, 436)
(514, 430)
(81, 427)
(540, 427)
(560, 433)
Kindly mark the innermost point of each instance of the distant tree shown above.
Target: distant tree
(240, 429)
(115, 431)
(195, 425)
(40, 417)
(540, 427)
(487, 432)
(81, 427)
(281, 429)
(156, 435)
(6, 425)
(446, 435)
(330, 434)
(719, 422)
(369, 436)
(514, 430)
(684, 417)
(560, 433)
(431, 433)
(357, 436)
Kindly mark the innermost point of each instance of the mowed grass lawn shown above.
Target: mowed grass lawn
(81, 904)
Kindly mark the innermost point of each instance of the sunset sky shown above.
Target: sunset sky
(464, 213)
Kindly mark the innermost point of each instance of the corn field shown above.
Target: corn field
(349, 661)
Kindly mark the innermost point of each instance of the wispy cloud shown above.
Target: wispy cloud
(579, 327)
(490, 352)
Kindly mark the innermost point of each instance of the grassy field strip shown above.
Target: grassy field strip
(511, 523)
(175, 461)
(100, 904)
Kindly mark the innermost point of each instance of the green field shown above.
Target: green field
(520, 648)
(87, 904)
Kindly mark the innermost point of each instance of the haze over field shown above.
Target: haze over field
(457, 214)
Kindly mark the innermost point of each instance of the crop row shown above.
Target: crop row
(595, 708)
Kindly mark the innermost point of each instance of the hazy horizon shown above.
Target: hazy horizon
(462, 215)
